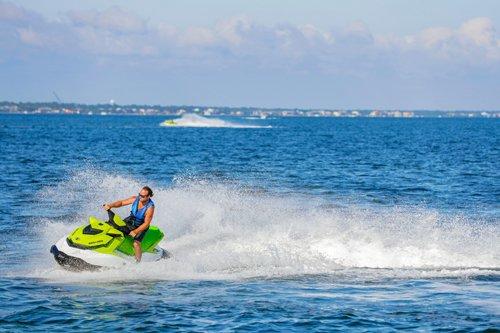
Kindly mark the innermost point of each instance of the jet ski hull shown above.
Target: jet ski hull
(72, 263)
(74, 259)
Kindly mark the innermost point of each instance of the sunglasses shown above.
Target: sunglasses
(143, 196)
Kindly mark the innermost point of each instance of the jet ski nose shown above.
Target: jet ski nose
(54, 250)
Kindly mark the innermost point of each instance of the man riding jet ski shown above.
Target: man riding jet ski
(141, 215)
(116, 241)
(169, 122)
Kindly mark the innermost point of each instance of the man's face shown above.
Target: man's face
(143, 195)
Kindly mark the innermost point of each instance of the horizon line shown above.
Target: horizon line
(250, 107)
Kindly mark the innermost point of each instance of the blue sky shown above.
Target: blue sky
(313, 54)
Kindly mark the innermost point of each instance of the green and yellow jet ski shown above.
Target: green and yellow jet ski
(101, 244)
(169, 122)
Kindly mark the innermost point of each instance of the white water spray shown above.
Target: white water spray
(194, 120)
(220, 230)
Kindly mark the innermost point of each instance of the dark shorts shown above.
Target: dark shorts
(139, 237)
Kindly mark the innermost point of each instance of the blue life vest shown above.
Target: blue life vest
(137, 214)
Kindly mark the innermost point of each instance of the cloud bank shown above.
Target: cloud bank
(118, 36)
(116, 31)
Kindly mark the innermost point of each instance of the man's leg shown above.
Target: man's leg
(137, 245)
(137, 250)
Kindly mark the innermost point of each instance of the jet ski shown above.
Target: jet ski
(105, 244)
(169, 122)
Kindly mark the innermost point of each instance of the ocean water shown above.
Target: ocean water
(303, 224)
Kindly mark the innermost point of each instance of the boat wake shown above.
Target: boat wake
(220, 230)
(194, 120)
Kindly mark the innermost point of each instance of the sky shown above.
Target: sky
(358, 54)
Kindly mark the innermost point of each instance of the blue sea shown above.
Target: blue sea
(274, 225)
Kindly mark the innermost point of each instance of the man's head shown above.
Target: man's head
(145, 194)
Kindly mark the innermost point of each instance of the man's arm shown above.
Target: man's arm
(119, 203)
(147, 221)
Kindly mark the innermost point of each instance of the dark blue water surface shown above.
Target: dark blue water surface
(298, 224)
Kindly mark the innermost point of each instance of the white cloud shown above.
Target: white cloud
(359, 31)
(435, 37)
(479, 31)
(11, 12)
(104, 42)
(240, 41)
(312, 33)
(474, 43)
(29, 36)
(197, 36)
(113, 19)
(233, 30)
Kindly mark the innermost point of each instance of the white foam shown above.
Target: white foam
(220, 230)
(194, 120)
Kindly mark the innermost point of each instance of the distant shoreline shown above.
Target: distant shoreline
(52, 108)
